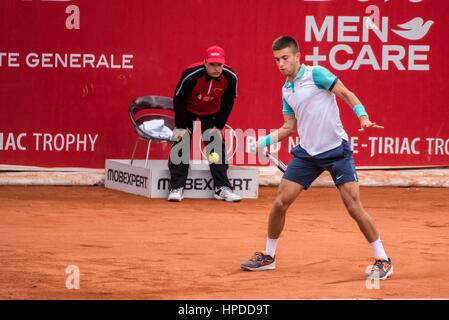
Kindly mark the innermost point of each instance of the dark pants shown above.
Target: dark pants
(179, 172)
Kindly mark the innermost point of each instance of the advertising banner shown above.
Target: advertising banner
(69, 70)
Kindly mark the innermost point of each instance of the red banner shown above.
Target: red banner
(69, 70)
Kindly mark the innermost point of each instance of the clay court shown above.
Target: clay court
(131, 247)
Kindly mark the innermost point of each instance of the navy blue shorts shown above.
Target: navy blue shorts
(304, 169)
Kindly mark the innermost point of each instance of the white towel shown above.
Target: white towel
(157, 129)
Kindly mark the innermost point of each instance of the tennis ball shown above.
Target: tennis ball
(214, 157)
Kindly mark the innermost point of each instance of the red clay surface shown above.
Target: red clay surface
(131, 247)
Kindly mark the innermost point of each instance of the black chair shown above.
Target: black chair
(149, 108)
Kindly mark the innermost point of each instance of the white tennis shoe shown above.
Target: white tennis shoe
(176, 194)
(226, 194)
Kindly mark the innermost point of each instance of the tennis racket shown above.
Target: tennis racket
(277, 162)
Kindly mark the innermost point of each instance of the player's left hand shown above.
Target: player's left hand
(252, 147)
(365, 122)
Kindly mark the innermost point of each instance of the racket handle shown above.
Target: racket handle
(278, 163)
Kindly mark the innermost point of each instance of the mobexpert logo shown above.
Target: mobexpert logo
(364, 29)
(127, 178)
(240, 184)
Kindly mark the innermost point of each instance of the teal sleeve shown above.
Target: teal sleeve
(286, 109)
(323, 78)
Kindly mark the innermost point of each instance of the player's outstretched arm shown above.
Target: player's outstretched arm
(287, 129)
(351, 100)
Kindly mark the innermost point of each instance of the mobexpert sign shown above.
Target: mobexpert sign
(245, 183)
(120, 175)
(127, 178)
(153, 181)
(239, 184)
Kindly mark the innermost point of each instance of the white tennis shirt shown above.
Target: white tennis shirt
(310, 99)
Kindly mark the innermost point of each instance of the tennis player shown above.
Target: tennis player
(310, 108)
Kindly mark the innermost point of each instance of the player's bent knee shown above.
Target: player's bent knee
(289, 190)
(279, 206)
(287, 194)
(355, 210)
(281, 203)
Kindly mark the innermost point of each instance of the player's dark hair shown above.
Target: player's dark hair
(285, 42)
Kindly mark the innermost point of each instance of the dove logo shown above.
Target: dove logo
(414, 29)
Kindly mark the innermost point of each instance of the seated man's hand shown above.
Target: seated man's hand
(219, 131)
(178, 133)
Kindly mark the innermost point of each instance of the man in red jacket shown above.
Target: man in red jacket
(205, 91)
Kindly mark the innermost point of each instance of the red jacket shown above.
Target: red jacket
(200, 94)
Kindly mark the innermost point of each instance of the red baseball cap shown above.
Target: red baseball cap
(215, 54)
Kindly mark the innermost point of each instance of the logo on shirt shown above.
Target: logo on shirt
(205, 98)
